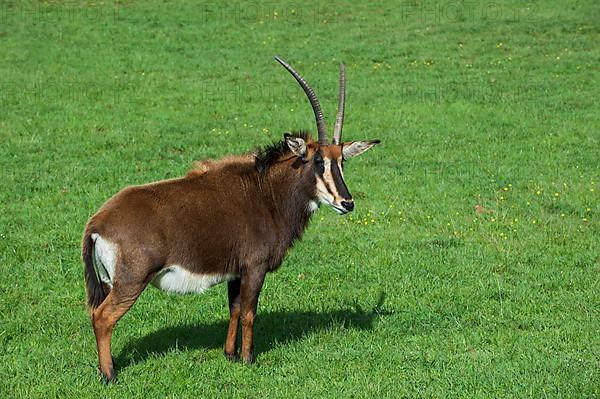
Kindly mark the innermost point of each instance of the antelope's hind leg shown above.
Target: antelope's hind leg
(120, 299)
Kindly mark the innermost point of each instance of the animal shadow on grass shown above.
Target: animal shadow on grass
(270, 329)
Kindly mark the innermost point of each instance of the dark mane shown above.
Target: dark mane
(268, 155)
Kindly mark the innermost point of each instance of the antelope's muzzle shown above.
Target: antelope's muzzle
(348, 205)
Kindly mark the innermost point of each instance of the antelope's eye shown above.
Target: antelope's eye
(319, 164)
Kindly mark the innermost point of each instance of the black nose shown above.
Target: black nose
(348, 205)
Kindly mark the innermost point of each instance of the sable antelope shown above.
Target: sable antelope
(231, 220)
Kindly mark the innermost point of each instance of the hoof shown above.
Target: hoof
(109, 377)
(232, 357)
(250, 359)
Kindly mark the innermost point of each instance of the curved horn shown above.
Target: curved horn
(339, 119)
(312, 97)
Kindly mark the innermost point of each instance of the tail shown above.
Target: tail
(95, 289)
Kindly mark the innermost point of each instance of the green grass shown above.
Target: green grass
(500, 114)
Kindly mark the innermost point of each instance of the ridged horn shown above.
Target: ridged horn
(339, 119)
(312, 97)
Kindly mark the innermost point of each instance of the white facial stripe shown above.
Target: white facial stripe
(323, 192)
(327, 190)
(328, 180)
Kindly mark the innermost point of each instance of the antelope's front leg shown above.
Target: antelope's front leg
(252, 281)
(235, 309)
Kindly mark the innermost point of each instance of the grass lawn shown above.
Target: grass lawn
(470, 267)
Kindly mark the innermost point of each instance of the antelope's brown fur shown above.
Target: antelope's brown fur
(227, 216)
(232, 219)
(224, 218)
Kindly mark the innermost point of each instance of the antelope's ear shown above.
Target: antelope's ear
(354, 148)
(296, 144)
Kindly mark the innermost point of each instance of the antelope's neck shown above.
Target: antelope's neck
(293, 192)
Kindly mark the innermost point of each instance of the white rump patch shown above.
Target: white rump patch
(105, 258)
(178, 280)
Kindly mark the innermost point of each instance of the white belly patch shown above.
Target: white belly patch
(105, 259)
(178, 280)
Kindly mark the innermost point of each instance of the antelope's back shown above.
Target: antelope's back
(205, 221)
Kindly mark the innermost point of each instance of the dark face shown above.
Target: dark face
(327, 163)
(331, 187)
